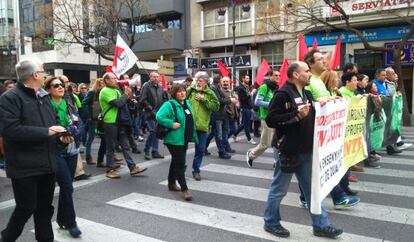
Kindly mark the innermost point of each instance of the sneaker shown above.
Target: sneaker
(353, 178)
(251, 141)
(147, 156)
(116, 158)
(248, 160)
(346, 202)
(206, 153)
(278, 230)
(372, 157)
(303, 204)
(329, 232)
(157, 155)
(140, 138)
(391, 150)
(371, 164)
(234, 138)
(187, 195)
(196, 176)
(225, 156)
(374, 153)
(136, 170)
(230, 150)
(112, 174)
(404, 146)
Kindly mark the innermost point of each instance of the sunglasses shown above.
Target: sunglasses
(57, 85)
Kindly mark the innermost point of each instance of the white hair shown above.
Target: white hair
(25, 68)
(203, 75)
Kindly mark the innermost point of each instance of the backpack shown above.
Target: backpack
(160, 130)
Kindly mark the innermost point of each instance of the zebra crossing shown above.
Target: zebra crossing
(232, 185)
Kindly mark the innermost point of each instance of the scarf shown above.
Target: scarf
(61, 110)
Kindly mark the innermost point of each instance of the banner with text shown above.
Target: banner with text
(355, 146)
(328, 149)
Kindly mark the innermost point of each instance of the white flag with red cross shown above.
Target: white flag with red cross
(124, 57)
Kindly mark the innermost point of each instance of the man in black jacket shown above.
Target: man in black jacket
(28, 127)
(246, 108)
(151, 100)
(291, 113)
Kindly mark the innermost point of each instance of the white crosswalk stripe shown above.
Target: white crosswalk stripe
(391, 189)
(97, 232)
(217, 218)
(364, 210)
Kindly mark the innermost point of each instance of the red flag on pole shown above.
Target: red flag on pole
(223, 69)
(315, 43)
(163, 82)
(303, 49)
(336, 55)
(263, 69)
(283, 73)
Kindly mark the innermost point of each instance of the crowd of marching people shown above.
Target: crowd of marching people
(52, 118)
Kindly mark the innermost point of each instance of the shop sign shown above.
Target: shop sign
(241, 61)
(366, 6)
(167, 68)
(374, 34)
(407, 57)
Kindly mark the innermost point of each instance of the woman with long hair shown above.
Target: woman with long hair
(177, 116)
(68, 118)
(330, 79)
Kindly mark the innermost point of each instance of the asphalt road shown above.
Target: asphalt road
(228, 203)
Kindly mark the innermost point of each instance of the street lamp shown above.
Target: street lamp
(9, 52)
(246, 14)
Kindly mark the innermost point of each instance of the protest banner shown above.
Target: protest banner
(355, 147)
(389, 106)
(328, 148)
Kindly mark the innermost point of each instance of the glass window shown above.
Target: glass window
(273, 53)
(267, 16)
(213, 29)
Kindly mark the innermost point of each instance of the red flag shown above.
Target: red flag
(163, 82)
(117, 53)
(261, 71)
(283, 73)
(223, 69)
(315, 43)
(303, 49)
(108, 68)
(336, 55)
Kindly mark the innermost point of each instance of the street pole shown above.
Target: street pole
(234, 43)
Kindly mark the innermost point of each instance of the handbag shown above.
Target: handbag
(161, 131)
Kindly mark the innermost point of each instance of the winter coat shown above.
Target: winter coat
(25, 119)
(166, 117)
(203, 108)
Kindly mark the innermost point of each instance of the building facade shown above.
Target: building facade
(8, 52)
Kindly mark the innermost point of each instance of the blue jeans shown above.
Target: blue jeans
(137, 124)
(246, 123)
(152, 141)
(90, 130)
(66, 171)
(225, 125)
(279, 188)
(232, 128)
(199, 151)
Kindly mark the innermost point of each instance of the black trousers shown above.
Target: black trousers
(178, 166)
(33, 196)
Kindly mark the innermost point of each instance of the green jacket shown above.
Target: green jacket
(267, 95)
(203, 108)
(166, 117)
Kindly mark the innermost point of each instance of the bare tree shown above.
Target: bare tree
(95, 23)
(310, 15)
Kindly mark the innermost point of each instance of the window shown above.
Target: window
(27, 15)
(273, 53)
(243, 26)
(213, 29)
(267, 17)
(157, 25)
(174, 24)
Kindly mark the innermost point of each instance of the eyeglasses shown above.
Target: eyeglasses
(57, 85)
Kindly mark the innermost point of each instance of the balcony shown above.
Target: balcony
(169, 39)
(160, 8)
